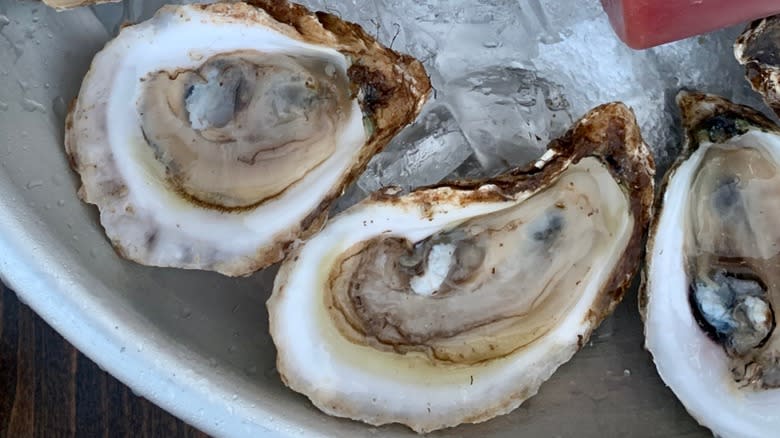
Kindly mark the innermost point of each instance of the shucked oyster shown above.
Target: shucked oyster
(452, 304)
(713, 272)
(212, 136)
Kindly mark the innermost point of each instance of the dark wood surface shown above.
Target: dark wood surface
(49, 389)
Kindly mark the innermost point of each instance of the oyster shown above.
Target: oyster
(713, 272)
(452, 304)
(758, 49)
(213, 136)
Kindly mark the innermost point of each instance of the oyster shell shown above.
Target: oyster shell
(758, 49)
(213, 136)
(712, 275)
(452, 304)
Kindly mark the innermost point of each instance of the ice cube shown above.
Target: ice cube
(508, 114)
(424, 153)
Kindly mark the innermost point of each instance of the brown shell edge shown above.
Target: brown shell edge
(608, 132)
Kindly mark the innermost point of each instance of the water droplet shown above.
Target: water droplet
(35, 19)
(33, 184)
(47, 85)
(234, 397)
(235, 308)
(3, 106)
(232, 349)
(122, 350)
(32, 105)
(47, 206)
(75, 237)
(59, 107)
(61, 203)
(186, 312)
(4, 21)
(626, 372)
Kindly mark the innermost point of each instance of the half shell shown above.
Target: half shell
(213, 136)
(712, 279)
(452, 304)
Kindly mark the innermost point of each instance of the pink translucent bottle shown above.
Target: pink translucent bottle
(647, 23)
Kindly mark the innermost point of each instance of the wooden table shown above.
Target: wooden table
(49, 389)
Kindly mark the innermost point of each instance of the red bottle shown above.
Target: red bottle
(647, 23)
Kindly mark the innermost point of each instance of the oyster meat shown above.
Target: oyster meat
(453, 303)
(713, 269)
(213, 136)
